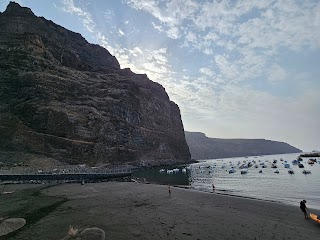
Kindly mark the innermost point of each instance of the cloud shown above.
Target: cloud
(277, 74)
(169, 15)
(191, 37)
(121, 32)
(173, 32)
(135, 51)
(87, 20)
(158, 27)
(227, 69)
(206, 71)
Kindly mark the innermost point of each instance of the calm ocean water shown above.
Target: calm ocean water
(280, 187)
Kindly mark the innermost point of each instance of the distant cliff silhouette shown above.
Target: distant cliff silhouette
(64, 99)
(202, 147)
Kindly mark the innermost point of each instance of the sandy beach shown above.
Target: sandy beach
(127, 210)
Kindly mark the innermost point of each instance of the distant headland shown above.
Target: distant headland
(203, 147)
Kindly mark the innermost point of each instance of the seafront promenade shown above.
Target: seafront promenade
(74, 173)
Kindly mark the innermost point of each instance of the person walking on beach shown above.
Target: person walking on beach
(169, 190)
(304, 208)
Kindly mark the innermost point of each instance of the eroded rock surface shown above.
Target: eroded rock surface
(66, 99)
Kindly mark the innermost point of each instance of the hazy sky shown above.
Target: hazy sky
(237, 69)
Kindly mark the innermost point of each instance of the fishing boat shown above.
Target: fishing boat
(286, 165)
(300, 165)
(295, 162)
(306, 171)
(244, 171)
(310, 161)
(276, 171)
(232, 170)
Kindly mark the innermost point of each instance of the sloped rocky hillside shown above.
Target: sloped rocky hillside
(65, 99)
(203, 147)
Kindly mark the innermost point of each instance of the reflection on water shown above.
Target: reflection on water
(259, 182)
(160, 175)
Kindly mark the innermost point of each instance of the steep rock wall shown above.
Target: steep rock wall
(66, 99)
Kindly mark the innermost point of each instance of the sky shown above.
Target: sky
(237, 69)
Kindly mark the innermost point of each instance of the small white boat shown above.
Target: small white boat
(311, 162)
(276, 171)
(162, 171)
(306, 171)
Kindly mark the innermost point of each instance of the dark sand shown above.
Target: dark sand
(146, 211)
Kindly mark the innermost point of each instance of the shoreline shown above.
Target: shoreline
(231, 194)
(129, 210)
(242, 196)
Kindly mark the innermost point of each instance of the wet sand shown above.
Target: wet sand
(146, 211)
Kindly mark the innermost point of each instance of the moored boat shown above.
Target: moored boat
(295, 162)
(310, 161)
(286, 165)
(273, 165)
(244, 171)
(306, 171)
(290, 171)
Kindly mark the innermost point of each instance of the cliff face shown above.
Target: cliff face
(66, 99)
(202, 147)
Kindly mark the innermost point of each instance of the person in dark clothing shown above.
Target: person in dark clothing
(304, 208)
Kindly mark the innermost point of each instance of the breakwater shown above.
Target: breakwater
(75, 174)
(62, 177)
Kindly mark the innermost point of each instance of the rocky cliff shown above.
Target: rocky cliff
(202, 147)
(63, 98)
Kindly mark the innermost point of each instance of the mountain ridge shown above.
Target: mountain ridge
(203, 147)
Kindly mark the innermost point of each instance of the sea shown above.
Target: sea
(266, 185)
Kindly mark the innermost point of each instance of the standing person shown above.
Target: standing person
(169, 190)
(304, 208)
